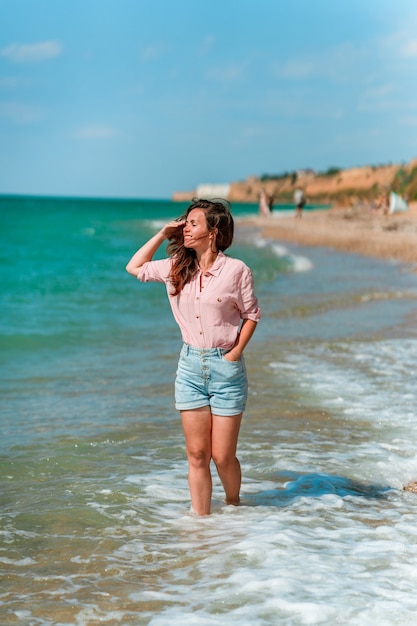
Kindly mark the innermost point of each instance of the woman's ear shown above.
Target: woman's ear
(212, 239)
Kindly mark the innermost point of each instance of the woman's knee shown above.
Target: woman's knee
(199, 458)
(224, 462)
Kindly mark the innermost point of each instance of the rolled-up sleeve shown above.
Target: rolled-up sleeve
(155, 271)
(247, 301)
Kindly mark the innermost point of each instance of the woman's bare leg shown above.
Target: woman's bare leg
(224, 436)
(196, 424)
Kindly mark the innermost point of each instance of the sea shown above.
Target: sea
(95, 521)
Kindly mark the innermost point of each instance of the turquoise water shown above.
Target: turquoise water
(94, 520)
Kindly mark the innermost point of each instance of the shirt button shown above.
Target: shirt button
(201, 332)
(197, 316)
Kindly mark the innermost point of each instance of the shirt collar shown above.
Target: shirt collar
(218, 264)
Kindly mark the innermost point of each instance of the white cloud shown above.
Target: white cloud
(401, 43)
(11, 83)
(207, 45)
(378, 97)
(19, 113)
(409, 49)
(155, 51)
(410, 120)
(32, 53)
(229, 72)
(338, 63)
(375, 92)
(299, 69)
(96, 131)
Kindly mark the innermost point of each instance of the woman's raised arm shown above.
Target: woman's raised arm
(146, 252)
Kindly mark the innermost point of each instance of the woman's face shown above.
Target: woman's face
(196, 233)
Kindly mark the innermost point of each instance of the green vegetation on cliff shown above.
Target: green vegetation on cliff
(405, 183)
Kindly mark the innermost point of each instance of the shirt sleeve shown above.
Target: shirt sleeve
(247, 301)
(155, 271)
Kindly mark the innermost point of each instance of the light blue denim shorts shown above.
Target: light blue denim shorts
(205, 378)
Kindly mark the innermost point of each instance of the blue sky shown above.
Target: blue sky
(139, 98)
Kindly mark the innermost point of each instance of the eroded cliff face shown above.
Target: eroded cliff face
(344, 187)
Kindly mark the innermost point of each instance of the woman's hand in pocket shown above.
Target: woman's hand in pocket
(232, 356)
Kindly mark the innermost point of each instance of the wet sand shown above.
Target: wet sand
(361, 231)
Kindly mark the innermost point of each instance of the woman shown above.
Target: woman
(264, 209)
(212, 300)
(299, 201)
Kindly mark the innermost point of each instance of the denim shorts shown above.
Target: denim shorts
(205, 378)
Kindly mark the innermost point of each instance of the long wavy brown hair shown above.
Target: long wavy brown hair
(219, 219)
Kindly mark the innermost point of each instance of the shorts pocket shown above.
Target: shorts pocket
(228, 360)
(231, 369)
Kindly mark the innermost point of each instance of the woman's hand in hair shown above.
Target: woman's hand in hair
(146, 252)
(171, 229)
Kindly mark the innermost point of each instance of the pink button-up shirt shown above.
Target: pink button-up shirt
(209, 316)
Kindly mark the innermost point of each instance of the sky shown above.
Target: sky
(141, 98)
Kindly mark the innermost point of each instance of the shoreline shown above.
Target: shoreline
(359, 231)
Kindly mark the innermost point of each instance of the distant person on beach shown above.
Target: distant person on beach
(263, 205)
(213, 302)
(299, 201)
(271, 200)
(382, 203)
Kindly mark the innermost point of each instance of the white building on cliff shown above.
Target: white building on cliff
(213, 190)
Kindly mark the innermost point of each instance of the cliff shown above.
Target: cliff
(337, 186)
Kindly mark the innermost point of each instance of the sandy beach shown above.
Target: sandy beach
(359, 230)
